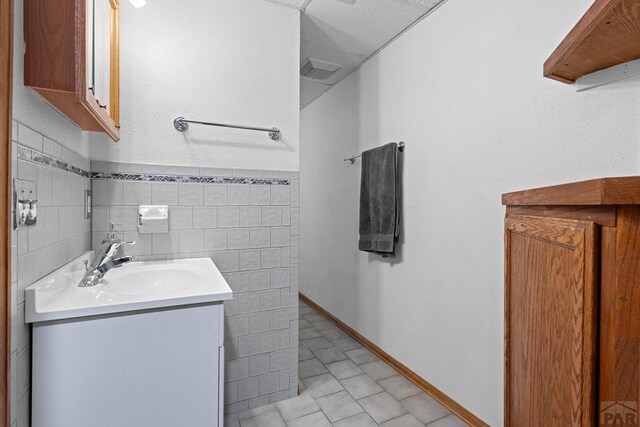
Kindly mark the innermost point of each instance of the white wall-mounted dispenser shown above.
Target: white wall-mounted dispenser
(153, 219)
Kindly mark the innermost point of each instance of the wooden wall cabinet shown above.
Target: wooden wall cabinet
(572, 304)
(72, 59)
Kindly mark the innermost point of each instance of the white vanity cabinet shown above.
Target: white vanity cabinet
(140, 360)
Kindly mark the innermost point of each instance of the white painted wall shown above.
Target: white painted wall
(30, 108)
(229, 61)
(464, 89)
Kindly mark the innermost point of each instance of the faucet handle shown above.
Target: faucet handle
(113, 247)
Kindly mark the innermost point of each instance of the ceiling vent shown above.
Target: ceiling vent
(318, 70)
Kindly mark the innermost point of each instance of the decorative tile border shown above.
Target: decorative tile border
(32, 155)
(35, 156)
(188, 178)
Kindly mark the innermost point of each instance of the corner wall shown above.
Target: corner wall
(464, 90)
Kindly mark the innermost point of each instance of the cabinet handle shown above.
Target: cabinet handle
(93, 92)
(101, 105)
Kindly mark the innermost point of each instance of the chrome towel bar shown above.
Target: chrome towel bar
(352, 159)
(181, 124)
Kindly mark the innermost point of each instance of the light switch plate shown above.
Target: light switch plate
(87, 204)
(24, 204)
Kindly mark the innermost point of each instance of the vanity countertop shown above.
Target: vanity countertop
(132, 287)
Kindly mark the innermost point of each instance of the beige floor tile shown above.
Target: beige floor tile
(297, 407)
(382, 407)
(360, 420)
(424, 408)
(406, 420)
(361, 355)
(378, 370)
(361, 386)
(330, 355)
(450, 421)
(322, 385)
(344, 369)
(399, 387)
(317, 419)
(310, 368)
(338, 406)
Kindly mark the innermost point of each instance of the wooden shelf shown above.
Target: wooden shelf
(607, 35)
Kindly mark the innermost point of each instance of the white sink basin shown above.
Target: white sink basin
(134, 286)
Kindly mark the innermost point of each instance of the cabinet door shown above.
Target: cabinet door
(550, 330)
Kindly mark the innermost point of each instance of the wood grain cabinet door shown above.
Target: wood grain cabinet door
(550, 330)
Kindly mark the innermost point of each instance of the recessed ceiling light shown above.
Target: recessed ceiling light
(138, 3)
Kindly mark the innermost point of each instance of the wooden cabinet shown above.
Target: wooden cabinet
(71, 59)
(572, 304)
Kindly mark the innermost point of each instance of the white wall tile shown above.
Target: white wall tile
(166, 243)
(295, 221)
(191, 241)
(249, 303)
(143, 168)
(260, 194)
(286, 216)
(215, 194)
(26, 171)
(180, 218)
(250, 216)
(270, 300)
(279, 360)
(43, 184)
(280, 236)
(228, 261)
(238, 282)
(190, 194)
(281, 195)
(280, 278)
(215, 240)
(270, 258)
(205, 216)
(247, 173)
(228, 216)
(164, 193)
(29, 137)
(106, 192)
(258, 322)
(295, 194)
(260, 280)
(249, 259)
(258, 364)
(137, 193)
(216, 172)
(260, 237)
(107, 167)
(181, 170)
(271, 216)
(239, 238)
(238, 194)
(51, 148)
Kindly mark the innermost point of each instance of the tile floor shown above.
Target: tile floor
(344, 385)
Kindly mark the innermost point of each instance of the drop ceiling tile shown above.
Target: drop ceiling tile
(359, 28)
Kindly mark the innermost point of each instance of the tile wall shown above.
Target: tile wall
(246, 221)
(61, 234)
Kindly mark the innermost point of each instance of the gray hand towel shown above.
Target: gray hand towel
(379, 217)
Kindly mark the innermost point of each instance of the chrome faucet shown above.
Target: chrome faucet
(104, 262)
